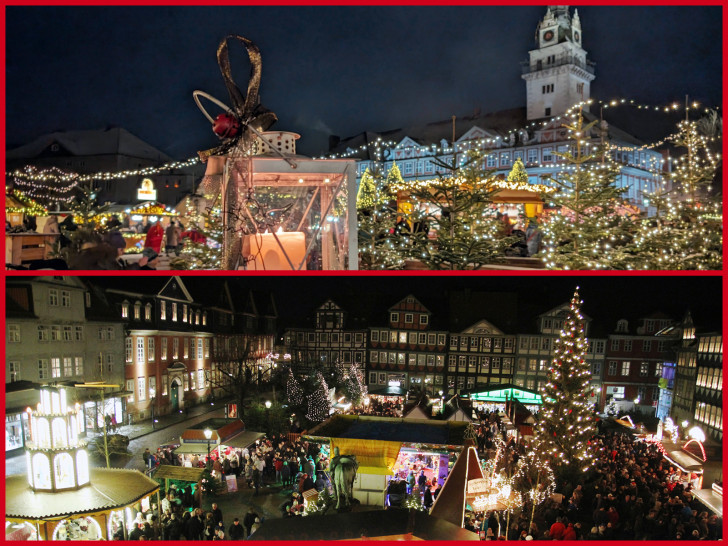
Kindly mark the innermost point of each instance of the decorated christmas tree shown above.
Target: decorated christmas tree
(294, 392)
(589, 224)
(518, 173)
(380, 244)
(394, 177)
(566, 423)
(318, 401)
(686, 231)
(203, 249)
(534, 479)
(457, 206)
(354, 387)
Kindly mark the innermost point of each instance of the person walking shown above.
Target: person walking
(236, 530)
(249, 520)
(174, 236)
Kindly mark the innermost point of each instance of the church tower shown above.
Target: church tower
(557, 74)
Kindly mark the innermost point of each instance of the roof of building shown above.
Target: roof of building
(110, 141)
(19, 301)
(109, 489)
(450, 503)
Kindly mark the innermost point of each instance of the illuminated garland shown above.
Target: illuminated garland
(30, 207)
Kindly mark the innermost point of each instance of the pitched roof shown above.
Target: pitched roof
(450, 503)
(111, 141)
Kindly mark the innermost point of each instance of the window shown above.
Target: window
(163, 348)
(67, 366)
(67, 333)
(545, 344)
(53, 297)
(655, 393)
(505, 159)
(431, 339)
(644, 369)
(43, 368)
(79, 333)
(142, 392)
(615, 345)
(193, 381)
(130, 390)
(596, 367)
(79, 365)
(507, 365)
(163, 310)
(441, 339)
(55, 333)
(625, 367)
(408, 318)
(374, 356)
(137, 310)
(174, 311)
(403, 337)
(359, 338)
(490, 160)
(628, 345)
(394, 317)
(523, 343)
(599, 346)
(372, 378)
(125, 309)
(547, 157)
(548, 88)
(14, 371)
(140, 350)
(661, 346)
(164, 384)
(148, 311)
(150, 348)
(658, 369)
(43, 333)
(207, 347)
(13, 333)
(152, 387)
(579, 88)
(451, 361)
(640, 393)
(129, 350)
(547, 112)
(424, 319)
(55, 367)
(612, 368)
(461, 382)
(184, 313)
(186, 347)
(199, 349)
(375, 335)
(508, 344)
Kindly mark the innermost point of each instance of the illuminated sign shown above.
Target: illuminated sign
(146, 191)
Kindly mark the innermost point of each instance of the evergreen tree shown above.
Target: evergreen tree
(534, 479)
(294, 392)
(566, 424)
(205, 253)
(318, 401)
(380, 245)
(85, 209)
(686, 231)
(354, 386)
(394, 177)
(518, 173)
(588, 228)
(458, 207)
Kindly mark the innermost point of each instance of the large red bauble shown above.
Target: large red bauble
(226, 126)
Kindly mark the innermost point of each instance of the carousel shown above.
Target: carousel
(61, 498)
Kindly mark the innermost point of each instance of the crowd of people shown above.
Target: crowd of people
(296, 465)
(633, 494)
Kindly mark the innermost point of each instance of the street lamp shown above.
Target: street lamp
(267, 404)
(208, 435)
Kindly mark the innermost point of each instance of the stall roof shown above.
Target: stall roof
(102, 493)
(244, 439)
(685, 461)
(504, 392)
(182, 473)
(199, 449)
(391, 429)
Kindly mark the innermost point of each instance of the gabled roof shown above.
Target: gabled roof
(19, 301)
(175, 289)
(450, 503)
(416, 302)
(482, 325)
(112, 141)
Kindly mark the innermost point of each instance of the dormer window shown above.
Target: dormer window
(125, 309)
(137, 310)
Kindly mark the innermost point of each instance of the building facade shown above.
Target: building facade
(635, 362)
(59, 333)
(328, 343)
(480, 355)
(535, 352)
(167, 349)
(708, 414)
(557, 75)
(407, 353)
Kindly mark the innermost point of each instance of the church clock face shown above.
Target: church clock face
(548, 35)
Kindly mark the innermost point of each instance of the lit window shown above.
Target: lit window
(13, 333)
(625, 367)
(142, 392)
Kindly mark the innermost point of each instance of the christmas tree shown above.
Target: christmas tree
(588, 227)
(394, 177)
(458, 207)
(380, 244)
(318, 401)
(686, 231)
(294, 392)
(85, 209)
(534, 479)
(566, 424)
(204, 249)
(518, 173)
(354, 386)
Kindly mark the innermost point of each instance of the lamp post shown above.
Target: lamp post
(267, 413)
(208, 435)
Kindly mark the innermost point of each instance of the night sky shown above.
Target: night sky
(327, 70)
(606, 298)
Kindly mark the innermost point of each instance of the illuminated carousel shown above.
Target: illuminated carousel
(61, 498)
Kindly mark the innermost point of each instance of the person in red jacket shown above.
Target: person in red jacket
(154, 237)
(557, 530)
(570, 532)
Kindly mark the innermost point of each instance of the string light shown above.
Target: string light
(318, 401)
(294, 392)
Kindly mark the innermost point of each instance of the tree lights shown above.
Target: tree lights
(318, 401)
(566, 424)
